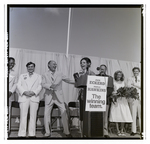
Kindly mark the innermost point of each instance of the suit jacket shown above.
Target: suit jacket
(12, 85)
(26, 83)
(12, 81)
(110, 88)
(131, 80)
(56, 80)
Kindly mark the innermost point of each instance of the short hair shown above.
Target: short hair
(98, 68)
(10, 58)
(87, 60)
(136, 68)
(29, 63)
(116, 73)
(49, 62)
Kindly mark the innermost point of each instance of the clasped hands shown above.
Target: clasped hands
(52, 87)
(29, 93)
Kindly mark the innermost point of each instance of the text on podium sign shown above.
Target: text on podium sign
(96, 93)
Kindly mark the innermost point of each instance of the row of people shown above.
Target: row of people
(30, 84)
(122, 111)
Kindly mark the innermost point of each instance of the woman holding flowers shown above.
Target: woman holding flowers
(119, 111)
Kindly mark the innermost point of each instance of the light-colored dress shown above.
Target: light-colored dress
(120, 112)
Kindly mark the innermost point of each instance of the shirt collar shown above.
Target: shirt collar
(137, 76)
(51, 72)
(11, 70)
(31, 74)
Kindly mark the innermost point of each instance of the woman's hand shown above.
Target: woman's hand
(114, 93)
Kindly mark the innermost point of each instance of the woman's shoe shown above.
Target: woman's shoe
(118, 134)
(123, 134)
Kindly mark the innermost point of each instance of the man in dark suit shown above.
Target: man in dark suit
(102, 72)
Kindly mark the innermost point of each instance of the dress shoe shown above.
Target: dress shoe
(22, 137)
(69, 136)
(106, 136)
(132, 134)
(32, 137)
(47, 135)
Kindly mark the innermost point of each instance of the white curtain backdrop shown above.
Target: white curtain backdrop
(68, 66)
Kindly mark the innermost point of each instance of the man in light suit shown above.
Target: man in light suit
(135, 105)
(29, 86)
(52, 82)
(12, 84)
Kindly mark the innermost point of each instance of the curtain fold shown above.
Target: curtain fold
(68, 66)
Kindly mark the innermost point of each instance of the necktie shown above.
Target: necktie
(135, 79)
(52, 76)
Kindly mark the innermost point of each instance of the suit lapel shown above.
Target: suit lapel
(30, 80)
(11, 78)
(49, 77)
(34, 78)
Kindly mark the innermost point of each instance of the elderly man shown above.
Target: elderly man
(52, 82)
(102, 72)
(135, 105)
(29, 86)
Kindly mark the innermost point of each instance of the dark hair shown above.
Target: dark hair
(136, 68)
(116, 73)
(10, 58)
(98, 68)
(29, 63)
(87, 60)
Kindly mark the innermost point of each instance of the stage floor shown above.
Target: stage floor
(75, 134)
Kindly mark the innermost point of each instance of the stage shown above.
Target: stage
(75, 135)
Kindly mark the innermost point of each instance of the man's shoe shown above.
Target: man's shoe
(22, 137)
(32, 137)
(69, 136)
(47, 135)
(132, 134)
(106, 136)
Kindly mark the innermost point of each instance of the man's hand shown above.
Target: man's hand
(29, 93)
(51, 89)
(53, 86)
(10, 93)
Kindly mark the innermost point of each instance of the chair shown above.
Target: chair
(73, 112)
(41, 104)
(55, 118)
(14, 104)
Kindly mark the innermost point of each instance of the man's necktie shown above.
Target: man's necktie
(52, 77)
(135, 79)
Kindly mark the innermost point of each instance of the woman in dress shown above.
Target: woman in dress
(119, 111)
(85, 64)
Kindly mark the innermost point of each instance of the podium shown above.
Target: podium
(92, 121)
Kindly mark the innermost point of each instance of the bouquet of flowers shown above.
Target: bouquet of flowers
(127, 92)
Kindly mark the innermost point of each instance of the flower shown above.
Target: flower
(127, 92)
(25, 77)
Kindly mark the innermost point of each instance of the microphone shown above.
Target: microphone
(76, 76)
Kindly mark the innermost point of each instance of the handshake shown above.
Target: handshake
(29, 93)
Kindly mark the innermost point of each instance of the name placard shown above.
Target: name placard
(96, 93)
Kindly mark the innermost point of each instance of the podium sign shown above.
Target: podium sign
(96, 93)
